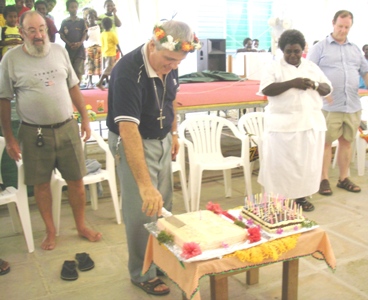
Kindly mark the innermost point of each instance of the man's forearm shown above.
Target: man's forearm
(5, 117)
(78, 101)
(134, 153)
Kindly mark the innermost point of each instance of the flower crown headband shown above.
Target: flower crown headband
(167, 41)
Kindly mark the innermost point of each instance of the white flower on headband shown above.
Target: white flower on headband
(170, 44)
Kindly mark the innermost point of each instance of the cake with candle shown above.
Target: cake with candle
(273, 214)
(205, 228)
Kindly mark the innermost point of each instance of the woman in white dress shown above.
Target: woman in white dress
(294, 136)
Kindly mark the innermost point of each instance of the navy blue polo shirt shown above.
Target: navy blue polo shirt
(132, 97)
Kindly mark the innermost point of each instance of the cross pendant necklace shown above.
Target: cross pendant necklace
(160, 105)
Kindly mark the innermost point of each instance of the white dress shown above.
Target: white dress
(293, 141)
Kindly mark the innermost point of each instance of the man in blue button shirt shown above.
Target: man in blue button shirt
(343, 63)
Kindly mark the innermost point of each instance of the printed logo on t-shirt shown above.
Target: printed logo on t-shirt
(47, 78)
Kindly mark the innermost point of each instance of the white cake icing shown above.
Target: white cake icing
(207, 229)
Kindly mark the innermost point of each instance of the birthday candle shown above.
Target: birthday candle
(200, 214)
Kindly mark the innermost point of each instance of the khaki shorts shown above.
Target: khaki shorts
(108, 63)
(78, 66)
(341, 124)
(62, 149)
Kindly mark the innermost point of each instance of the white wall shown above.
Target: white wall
(313, 18)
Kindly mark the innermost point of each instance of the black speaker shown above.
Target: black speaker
(212, 55)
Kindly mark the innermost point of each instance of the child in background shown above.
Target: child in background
(30, 4)
(109, 41)
(10, 36)
(41, 7)
(19, 4)
(50, 6)
(111, 13)
(73, 32)
(93, 47)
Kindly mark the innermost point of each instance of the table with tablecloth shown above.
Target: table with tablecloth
(313, 243)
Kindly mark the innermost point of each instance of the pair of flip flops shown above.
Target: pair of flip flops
(69, 269)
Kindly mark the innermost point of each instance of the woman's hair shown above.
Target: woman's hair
(366, 45)
(291, 37)
(178, 30)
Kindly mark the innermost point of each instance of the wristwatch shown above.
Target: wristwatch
(174, 133)
(316, 85)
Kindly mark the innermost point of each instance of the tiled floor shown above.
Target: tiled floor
(33, 276)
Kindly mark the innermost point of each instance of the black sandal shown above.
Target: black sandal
(69, 270)
(346, 184)
(149, 287)
(85, 263)
(324, 188)
(305, 204)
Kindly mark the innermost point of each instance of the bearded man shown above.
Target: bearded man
(41, 77)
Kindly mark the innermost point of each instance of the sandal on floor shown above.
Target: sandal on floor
(305, 204)
(85, 263)
(149, 287)
(324, 188)
(4, 267)
(346, 184)
(69, 270)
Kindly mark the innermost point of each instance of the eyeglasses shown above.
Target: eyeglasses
(33, 31)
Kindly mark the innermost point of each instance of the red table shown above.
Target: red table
(204, 96)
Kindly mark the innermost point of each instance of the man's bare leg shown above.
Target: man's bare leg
(344, 158)
(327, 156)
(77, 200)
(43, 198)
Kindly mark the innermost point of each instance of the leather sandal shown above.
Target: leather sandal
(149, 287)
(324, 188)
(348, 185)
(305, 204)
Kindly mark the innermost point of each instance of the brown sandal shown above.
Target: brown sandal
(346, 184)
(4, 267)
(324, 188)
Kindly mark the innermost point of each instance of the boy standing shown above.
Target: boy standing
(73, 32)
(10, 36)
(109, 42)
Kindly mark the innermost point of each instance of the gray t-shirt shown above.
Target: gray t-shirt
(41, 84)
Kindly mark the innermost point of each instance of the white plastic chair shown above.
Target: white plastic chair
(108, 174)
(252, 124)
(204, 152)
(179, 166)
(17, 198)
(361, 144)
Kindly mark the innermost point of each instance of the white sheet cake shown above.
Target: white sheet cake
(206, 228)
